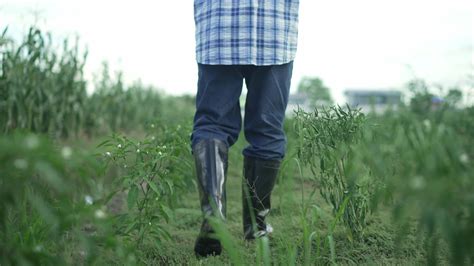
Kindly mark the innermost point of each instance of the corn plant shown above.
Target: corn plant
(44, 90)
(113, 106)
(326, 144)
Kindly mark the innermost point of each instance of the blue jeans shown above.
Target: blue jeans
(218, 114)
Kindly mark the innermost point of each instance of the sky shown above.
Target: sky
(367, 44)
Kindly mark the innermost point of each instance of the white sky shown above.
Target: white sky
(349, 44)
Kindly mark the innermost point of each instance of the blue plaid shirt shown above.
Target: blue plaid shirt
(246, 32)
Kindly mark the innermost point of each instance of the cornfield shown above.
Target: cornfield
(54, 100)
(107, 177)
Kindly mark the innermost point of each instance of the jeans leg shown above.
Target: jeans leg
(217, 104)
(267, 98)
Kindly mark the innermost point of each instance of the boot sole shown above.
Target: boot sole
(205, 247)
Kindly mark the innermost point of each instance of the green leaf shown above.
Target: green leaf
(167, 213)
(332, 248)
(132, 197)
(4, 33)
(51, 176)
(161, 232)
(170, 186)
(130, 227)
(103, 143)
(107, 197)
(153, 186)
(45, 210)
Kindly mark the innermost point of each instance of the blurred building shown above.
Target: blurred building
(302, 101)
(298, 100)
(373, 100)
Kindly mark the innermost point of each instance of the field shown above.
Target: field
(108, 177)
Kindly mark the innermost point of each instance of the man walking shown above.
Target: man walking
(241, 40)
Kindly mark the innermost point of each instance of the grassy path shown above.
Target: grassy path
(379, 245)
(286, 244)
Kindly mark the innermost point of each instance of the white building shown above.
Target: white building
(377, 101)
(297, 100)
(302, 101)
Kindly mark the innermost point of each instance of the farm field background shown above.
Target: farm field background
(108, 177)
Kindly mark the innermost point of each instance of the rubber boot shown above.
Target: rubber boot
(211, 169)
(258, 182)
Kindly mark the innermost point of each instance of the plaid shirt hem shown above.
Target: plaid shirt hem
(246, 32)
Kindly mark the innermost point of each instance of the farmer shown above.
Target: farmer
(241, 40)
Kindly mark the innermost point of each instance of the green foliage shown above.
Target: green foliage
(419, 164)
(153, 172)
(454, 96)
(426, 166)
(421, 101)
(326, 144)
(424, 100)
(52, 97)
(50, 200)
(42, 206)
(315, 90)
(113, 107)
(44, 91)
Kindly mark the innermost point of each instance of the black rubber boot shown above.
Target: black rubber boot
(258, 182)
(211, 169)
